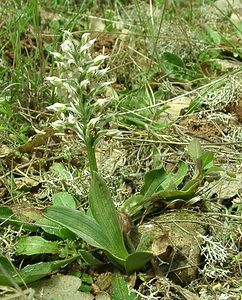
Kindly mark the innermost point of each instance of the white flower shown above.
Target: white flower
(58, 107)
(56, 54)
(67, 46)
(99, 59)
(71, 61)
(92, 70)
(101, 73)
(103, 86)
(87, 46)
(59, 124)
(84, 83)
(92, 123)
(71, 119)
(59, 64)
(67, 34)
(85, 37)
(101, 102)
(70, 89)
(56, 81)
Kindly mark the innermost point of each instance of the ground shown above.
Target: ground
(174, 110)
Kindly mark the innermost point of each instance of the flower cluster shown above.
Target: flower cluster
(81, 84)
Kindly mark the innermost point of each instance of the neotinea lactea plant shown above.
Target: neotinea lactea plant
(81, 82)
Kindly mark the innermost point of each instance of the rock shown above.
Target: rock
(176, 242)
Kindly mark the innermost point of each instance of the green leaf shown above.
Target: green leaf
(31, 273)
(120, 290)
(215, 170)
(214, 35)
(207, 159)
(56, 229)
(130, 203)
(36, 245)
(136, 121)
(194, 149)
(173, 180)
(9, 275)
(180, 174)
(5, 107)
(64, 199)
(7, 215)
(152, 181)
(83, 226)
(173, 59)
(7, 272)
(191, 185)
(137, 261)
(89, 258)
(105, 214)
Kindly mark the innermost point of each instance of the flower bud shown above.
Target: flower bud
(59, 125)
(85, 38)
(99, 59)
(67, 46)
(56, 81)
(84, 84)
(58, 107)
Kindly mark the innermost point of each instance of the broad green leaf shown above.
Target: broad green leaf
(7, 272)
(31, 273)
(214, 169)
(180, 174)
(173, 59)
(105, 214)
(207, 159)
(56, 229)
(194, 149)
(80, 224)
(173, 180)
(7, 215)
(9, 275)
(137, 261)
(120, 290)
(64, 199)
(134, 210)
(152, 181)
(36, 245)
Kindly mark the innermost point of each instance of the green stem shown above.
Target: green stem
(91, 155)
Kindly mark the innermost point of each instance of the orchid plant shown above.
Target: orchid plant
(81, 82)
